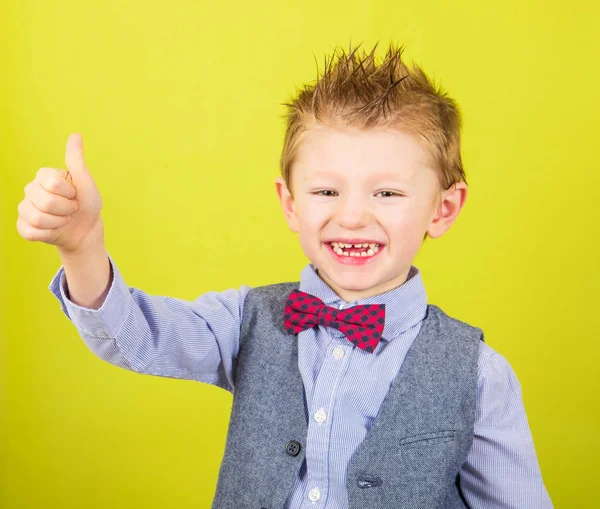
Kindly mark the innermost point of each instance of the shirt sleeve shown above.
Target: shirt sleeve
(502, 470)
(157, 335)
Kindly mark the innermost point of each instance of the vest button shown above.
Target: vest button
(365, 481)
(292, 448)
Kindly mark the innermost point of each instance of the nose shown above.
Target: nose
(352, 213)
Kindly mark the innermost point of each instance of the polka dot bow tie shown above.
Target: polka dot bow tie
(362, 325)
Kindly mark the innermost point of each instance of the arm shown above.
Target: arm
(501, 471)
(88, 269)
(156, 335)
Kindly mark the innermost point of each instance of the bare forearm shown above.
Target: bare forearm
(88, 273)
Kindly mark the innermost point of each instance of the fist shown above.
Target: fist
(62, 207)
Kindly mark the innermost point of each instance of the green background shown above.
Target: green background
(179, 107)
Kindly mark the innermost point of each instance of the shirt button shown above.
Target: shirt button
(320, 415)
(338, 352)
(342, 306)
(292, 448)
(314, 495)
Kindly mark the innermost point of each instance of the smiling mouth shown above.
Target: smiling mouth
(357, 250)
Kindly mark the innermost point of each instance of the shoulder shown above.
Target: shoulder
(490, 359)
(490, 364)
(454, 324)
(275, 288)
(496, 379)
(266, 303)
(273, 293)
(494, 369)
(499, 398)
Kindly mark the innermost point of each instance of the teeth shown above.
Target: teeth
(338, 249)
(357, 246)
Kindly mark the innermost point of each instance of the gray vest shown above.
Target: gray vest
(410, 457)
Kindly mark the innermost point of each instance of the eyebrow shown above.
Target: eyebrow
(388, 175)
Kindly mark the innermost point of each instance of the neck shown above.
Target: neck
(351, 295)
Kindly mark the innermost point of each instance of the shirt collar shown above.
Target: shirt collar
(405, 305)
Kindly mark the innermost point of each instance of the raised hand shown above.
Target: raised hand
(63, 207)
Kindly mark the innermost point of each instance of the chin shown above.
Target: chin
(355, 283)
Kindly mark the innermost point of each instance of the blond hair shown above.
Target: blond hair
(356, 91)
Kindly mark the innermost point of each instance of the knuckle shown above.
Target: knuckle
(41, 172)
(19, 227)
(53, 184)
(25, 230)
(45, 202)
(34, 234)
(22, 209)
(36, 218)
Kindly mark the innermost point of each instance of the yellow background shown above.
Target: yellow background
(179, 107)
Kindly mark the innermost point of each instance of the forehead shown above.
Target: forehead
(346, 152)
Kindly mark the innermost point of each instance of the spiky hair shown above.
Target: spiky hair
(355, 90)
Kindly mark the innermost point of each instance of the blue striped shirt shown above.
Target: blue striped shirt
(344, 385)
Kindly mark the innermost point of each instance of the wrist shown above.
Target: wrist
(90, 245)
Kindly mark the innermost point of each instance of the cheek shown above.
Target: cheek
(312, 216)
(312, 221)
(407, 228)
(309, 232)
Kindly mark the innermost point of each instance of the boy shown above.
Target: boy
(349, 389)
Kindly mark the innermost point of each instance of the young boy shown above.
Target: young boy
(350, 390)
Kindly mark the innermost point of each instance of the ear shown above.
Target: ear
(287, 203)
(450, 203)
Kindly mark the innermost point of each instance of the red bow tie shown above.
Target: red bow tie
(362, 325)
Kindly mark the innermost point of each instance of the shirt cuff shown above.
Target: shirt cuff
(103, 322)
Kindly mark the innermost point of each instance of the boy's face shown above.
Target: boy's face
(365, 187)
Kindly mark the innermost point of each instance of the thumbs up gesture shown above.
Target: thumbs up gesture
(63, 207)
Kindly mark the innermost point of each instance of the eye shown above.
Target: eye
(389, 194)
(325, 192)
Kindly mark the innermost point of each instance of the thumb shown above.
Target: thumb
(74, 155)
